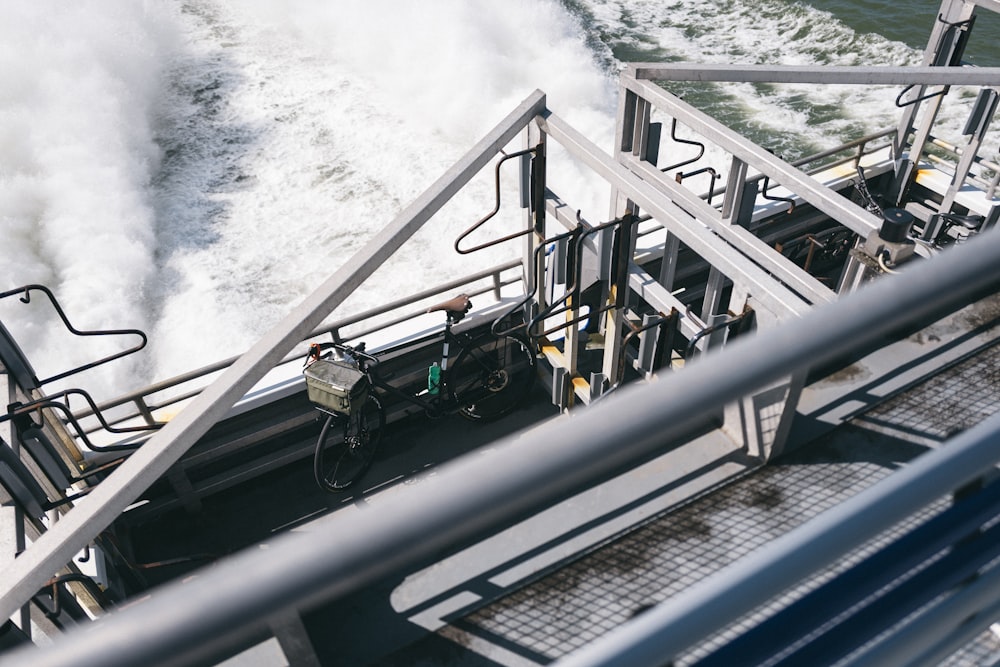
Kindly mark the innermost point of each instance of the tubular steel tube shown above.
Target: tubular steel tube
(524, 474)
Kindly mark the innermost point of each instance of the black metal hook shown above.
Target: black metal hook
(949, 52)
(496, 209)
(16, 410)
(579, 234)
(25, 297)
(711, 172)
(901, 104)
(689, 142)
(728, 322)
(791, 202)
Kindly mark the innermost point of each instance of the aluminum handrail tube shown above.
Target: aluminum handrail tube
(478, 494)
(785, 628)
(142, 394)
(927, 639)
(824, 74)
(863, 141)
(31, 569)
(990, 5)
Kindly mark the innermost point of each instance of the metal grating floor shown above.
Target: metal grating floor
(567, 608)
(937, 408)
(572, 606)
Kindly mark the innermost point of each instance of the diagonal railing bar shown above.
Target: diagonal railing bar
(30, 570)
(719, 253)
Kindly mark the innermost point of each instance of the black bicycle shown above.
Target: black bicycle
(482, 378)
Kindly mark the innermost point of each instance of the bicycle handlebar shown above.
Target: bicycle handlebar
(356, 351)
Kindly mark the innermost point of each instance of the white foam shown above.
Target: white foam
(329, 131)
(77, 152)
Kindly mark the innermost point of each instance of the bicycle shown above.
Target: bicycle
(490, 376)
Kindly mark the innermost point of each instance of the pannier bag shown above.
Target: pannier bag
(336, 386)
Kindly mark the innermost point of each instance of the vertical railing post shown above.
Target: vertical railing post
(618, 297)
(975, 130)
(12, 515)
(739, 195)
(533, 200)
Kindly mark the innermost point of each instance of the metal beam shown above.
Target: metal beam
(739, 237)
(775, 296)
(825, 74)
(29, 572)
(808, 188)
(476, 494)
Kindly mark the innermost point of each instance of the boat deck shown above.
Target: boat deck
(553, 583)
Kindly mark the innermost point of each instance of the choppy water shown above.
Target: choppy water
(194, 168)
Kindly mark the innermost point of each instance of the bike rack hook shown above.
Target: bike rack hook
(496, 209)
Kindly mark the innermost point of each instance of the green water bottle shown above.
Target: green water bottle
(433, 379)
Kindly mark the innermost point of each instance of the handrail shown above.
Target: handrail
(711, 186)
(860, 142)
(901, 104)
(298, 571)
(712, 328)
(635, 332)
(577, 236)
(787, 200)
(50, 401)
(25, 292)
(689, 142)
(573, 291)
(718, 602)
(989, 186)
(139, 396)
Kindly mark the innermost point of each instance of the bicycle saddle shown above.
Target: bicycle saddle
(455, 308)
(969, 222)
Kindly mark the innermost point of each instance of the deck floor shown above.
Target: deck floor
(565, 608)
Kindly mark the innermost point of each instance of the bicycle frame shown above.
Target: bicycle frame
(440, 403)
(472, 379)
(483, 378)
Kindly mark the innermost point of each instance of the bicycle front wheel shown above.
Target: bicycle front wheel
(347, 444)
(491, 376)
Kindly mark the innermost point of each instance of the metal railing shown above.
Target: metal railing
(715, 604)
(298, 572)
(145, 403)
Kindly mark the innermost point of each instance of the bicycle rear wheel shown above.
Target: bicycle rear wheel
(491, 376)
(347, 444)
